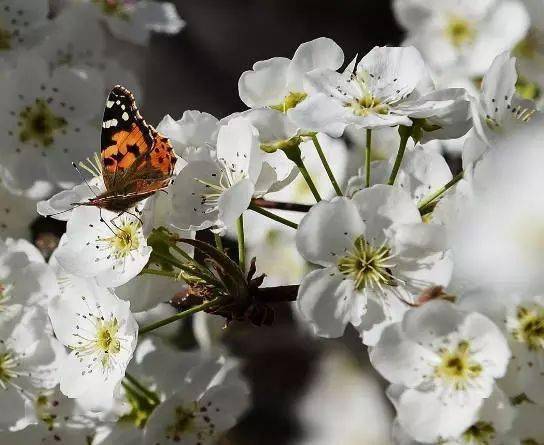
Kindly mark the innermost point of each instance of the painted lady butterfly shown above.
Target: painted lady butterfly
(136, 160)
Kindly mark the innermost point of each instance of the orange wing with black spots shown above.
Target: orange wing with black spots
(136, 160)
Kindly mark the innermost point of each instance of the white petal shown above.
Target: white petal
(328, 230)
(266, 84)
(328, 302)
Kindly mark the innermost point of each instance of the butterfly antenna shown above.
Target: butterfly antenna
(84, 179)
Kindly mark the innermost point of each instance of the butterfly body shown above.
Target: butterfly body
(136, 160)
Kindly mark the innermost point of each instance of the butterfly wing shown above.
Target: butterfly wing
(135, 158)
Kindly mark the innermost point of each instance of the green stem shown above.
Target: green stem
(146, 392)
(330, 174)
(163, 273)
(241, 243)
(273, 216)
(218, 242)
(178, 316)
(367, 156)
(308, 180)
(405, 133)
(426, 204)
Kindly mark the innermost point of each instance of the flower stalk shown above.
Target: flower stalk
(405, 133)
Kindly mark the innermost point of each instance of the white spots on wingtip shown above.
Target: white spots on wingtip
(109, 104)
(110, 123)
(125, 116)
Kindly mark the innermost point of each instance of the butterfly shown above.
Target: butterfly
(136, 160)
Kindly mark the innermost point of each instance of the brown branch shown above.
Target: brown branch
(266, 204)
(277, 294)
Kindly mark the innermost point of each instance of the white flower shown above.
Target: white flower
(209, 402)
(213, 193)
(101, 244)
(45, 124)
(134, 21)
(58, 418)
(494, 422)
(447, 362)
(193, 136)
(498, 111)
(279, 82)
(462, 35)
(27, 365)
(391, 86)
(16, 212)
(23, 282)
(23, 23)
(101, 334)
(376, 254)
(524, 326)
(421, 173)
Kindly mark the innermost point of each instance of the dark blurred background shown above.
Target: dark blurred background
(199, 69)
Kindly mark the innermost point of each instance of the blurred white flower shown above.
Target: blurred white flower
(23, 24)
(528, 427)
(27, 365)
(495, 232)
(462, 35)
(340, 394)
(101, 333)
(134, 20)
(16, 213)
(24, 282)
(494, 422)
(210, 402)
(45, 123)
(446, 362)
(376, 254)
(279, 82)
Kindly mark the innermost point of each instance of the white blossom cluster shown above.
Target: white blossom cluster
(333, 177)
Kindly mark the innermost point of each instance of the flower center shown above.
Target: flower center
(460, 31)
(481, 433)
(367, 265)
(367, 105)
(38, 123)
(184, 422)
(103, 344)
(290, 101)
(530, 327)
(117, 8)
(457, 366)
(5, 40)
(8, 364)
(125, 240)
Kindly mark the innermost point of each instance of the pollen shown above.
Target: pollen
(367, 266)
(8, 365)
(460, 31)
(125, 239)
(116, 8)
(457, 366)
(481, 433)
(530, 327)
(367, 105)
(184, 422)
(290, 101)
(39, 124)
